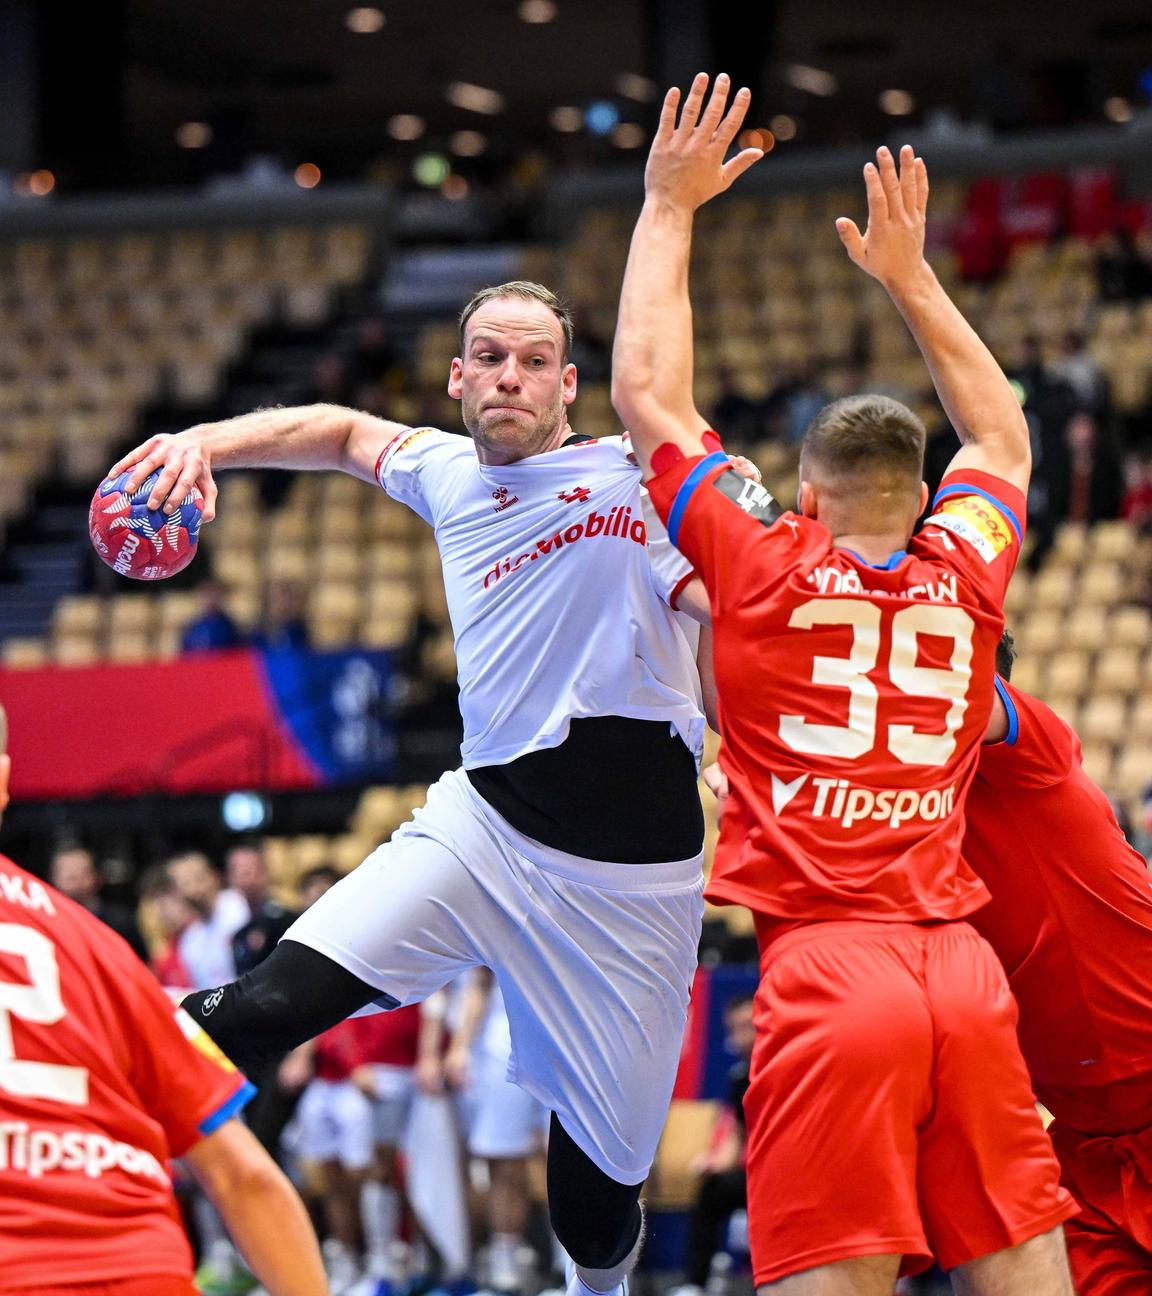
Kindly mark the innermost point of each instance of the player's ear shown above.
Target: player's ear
(568, 383)
(5, 771)
(456, 378)
(806, 500)
(924, 498)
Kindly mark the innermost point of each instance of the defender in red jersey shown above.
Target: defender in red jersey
(102, 1080)
(890, 1116)
(1071, 920)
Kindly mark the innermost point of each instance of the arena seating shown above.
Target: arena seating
(93, 330)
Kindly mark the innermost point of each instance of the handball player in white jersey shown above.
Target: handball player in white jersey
(566, 854)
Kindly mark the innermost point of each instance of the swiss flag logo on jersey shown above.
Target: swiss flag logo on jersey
(576, 496)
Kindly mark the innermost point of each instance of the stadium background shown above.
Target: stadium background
(206, 209)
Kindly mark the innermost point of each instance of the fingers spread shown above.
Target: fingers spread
(728, 128)
(668, 113)
(716, 103)
(908, 180)
(851, 237)
(921, 186)
(877, 202)
(690, 114)
(889, 181)
(742, 162)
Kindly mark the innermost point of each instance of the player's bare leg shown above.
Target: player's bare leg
(862, 1276)
(1038, 1267)
(508, 1193)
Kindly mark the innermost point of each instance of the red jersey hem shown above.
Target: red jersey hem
(914, 1260)
(732, 893)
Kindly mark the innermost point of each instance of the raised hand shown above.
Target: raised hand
(686, 164)
(892, 247)
(184, 461)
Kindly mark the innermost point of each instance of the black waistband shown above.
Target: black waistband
(616, 789)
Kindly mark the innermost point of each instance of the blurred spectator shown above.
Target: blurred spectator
(1136, 506)
(374, 355)
(723, 1183)
(735, 416)
(75, 873)
(1095, 482)
(170, 914)
(795, 401)
(212, 628)
(1080, 369)
(591, 352)
(330, 382)
(506, 1126)
(247, 873)
(1121, 271)
(205, 945)
(283, 625)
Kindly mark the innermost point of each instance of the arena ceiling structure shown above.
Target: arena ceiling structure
(159, 92)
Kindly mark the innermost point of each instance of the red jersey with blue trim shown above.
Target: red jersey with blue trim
(102, 1080)
(853, 697)
(1070, 917)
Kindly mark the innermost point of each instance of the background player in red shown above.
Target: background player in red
(890, 1115)
(1071, 919)
(102, 1080)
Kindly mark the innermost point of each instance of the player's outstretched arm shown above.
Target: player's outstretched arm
(652, 355)
(304, 437)
(261, 1211)
(972, 387)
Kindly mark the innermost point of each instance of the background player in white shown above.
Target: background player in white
(566, 854)
(505, 1125)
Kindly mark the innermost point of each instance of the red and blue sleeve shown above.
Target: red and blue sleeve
(184, 1080)
(713, 515)
(976, 523)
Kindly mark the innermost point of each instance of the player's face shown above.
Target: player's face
(74, 873)
(512, 381)
(741, 1029)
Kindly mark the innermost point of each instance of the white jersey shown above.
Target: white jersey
(558, 596)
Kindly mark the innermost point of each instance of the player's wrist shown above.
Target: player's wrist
(912, 285)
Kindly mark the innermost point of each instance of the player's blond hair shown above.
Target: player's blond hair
(525, 291)
(865, 436)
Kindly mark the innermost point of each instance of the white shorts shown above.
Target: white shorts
(395, 1087)
(595, 960)
(503, 1120)
(334, 1123)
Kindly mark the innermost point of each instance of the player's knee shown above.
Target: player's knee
(592, 1239)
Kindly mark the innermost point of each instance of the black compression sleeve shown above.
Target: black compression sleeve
(294, 995)
(596, 1218)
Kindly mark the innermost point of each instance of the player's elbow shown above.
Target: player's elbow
(635, 398)
(231, 1165)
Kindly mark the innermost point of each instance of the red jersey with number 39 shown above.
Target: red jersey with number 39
(853, 697)
(102, 1080)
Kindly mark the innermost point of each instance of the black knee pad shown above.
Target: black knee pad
(596, 1218)
(294, 995)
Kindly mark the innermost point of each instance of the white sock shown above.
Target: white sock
(504, 1272)
(379, 1216)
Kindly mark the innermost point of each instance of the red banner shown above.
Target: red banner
(206, 723)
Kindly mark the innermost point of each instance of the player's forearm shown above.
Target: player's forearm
(268, 1222)
(301, 437)
(973, 389)
(473, 1009)
(261, 1210)
(652, 354)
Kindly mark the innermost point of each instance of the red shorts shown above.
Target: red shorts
(168, 1285)
(889, 1110)
(1110, 1241)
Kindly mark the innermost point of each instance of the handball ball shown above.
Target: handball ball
(136, 541)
